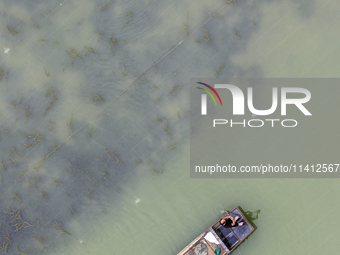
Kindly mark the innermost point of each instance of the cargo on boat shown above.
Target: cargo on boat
(218, 239)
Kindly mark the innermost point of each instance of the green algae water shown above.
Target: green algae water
(94, 123)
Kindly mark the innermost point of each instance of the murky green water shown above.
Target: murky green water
(94, 123)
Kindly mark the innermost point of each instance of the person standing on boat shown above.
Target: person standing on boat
(229, 221)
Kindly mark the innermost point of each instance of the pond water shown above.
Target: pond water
(94, 123)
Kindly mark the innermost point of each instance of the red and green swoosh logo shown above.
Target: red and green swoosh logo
(208, 92)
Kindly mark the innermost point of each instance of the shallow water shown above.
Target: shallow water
(94, 123)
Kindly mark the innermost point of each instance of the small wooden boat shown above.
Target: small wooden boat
(220, 238)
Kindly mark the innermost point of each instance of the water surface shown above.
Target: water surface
(94, 123)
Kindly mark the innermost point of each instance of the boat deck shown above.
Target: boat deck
(217, 236)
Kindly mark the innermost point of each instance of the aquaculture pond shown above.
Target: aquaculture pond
(94, 123)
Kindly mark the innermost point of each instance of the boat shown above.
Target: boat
(218, 239)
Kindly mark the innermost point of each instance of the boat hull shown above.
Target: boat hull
(220, 237)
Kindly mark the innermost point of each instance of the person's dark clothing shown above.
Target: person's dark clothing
(228, 223)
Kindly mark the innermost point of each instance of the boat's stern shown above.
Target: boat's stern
(205, 244)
